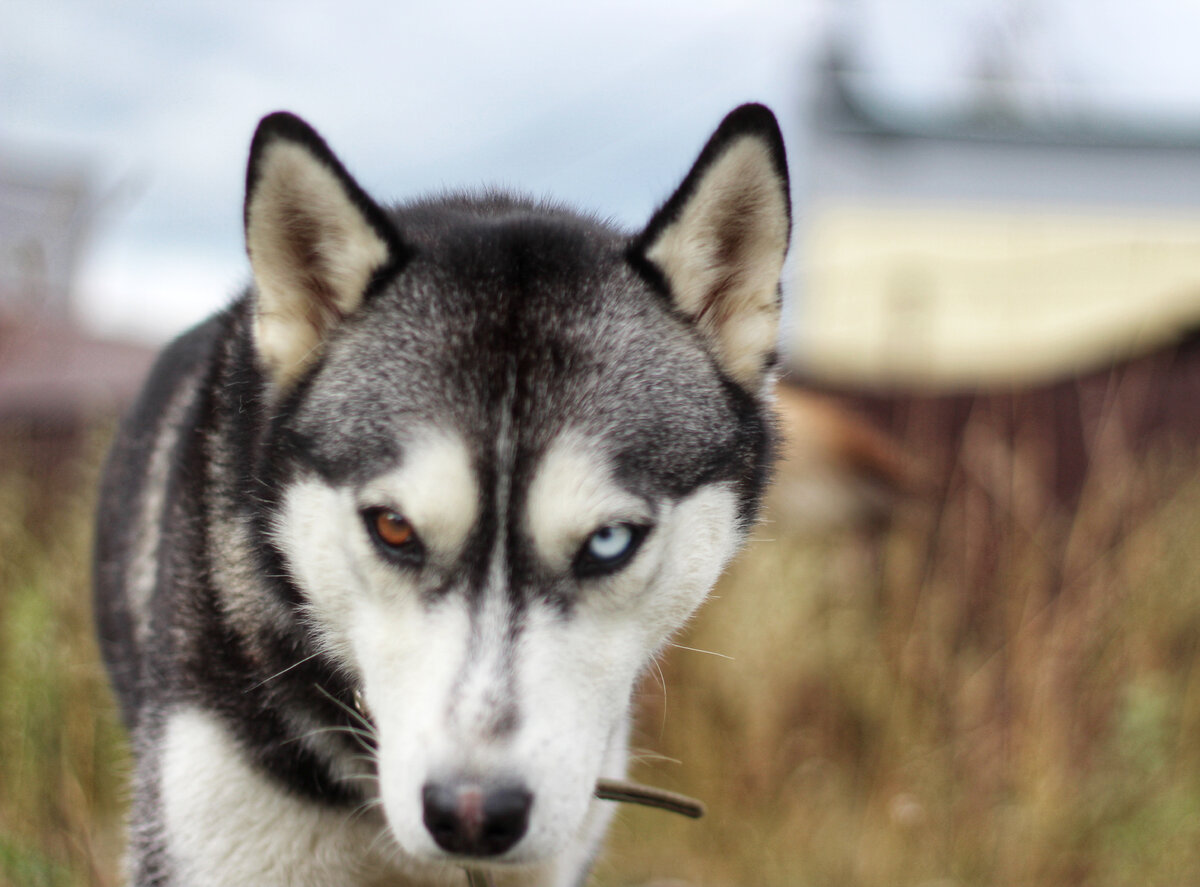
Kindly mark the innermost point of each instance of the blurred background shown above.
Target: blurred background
(962, 647)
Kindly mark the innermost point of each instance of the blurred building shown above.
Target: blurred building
(989, 224)
(53, 375)
(998, 263)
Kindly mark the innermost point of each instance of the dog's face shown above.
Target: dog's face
(517, 447)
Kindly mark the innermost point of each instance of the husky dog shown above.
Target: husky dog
(385, 546)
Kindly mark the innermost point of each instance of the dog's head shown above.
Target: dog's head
(516, 448)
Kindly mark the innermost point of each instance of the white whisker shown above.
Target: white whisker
(698, 650)
(364, 808)
(282, 672)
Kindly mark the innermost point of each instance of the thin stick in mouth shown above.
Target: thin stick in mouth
(635, 793)
(627, 792)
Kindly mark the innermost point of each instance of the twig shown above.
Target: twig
(636, 793)
(627, 792)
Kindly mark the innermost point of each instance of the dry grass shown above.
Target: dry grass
(993, 693)
(63, 758)
(988, 693)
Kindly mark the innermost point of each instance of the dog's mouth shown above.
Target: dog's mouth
(625, 791)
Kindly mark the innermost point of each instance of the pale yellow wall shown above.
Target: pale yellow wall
(950, 297)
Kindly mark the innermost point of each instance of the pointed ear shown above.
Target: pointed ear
(316, 242)
(719, 243)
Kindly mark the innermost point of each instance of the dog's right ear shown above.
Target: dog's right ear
(717, 246)
(317, 244)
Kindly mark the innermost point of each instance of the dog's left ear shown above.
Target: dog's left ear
(317, 243)
(718, 244)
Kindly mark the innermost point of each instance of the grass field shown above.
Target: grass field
(955, 702)
(63, 761)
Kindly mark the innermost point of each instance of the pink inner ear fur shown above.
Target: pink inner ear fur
(723, 256)
(313, 255)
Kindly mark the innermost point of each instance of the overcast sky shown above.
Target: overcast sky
(604, 104)
(1135, 60)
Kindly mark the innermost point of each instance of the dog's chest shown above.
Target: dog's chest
(227, 823)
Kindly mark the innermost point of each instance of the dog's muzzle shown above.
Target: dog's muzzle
(469, 819)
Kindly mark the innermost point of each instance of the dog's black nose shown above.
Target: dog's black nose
(470, 820)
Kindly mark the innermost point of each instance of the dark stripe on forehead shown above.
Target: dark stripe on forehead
(493, 584)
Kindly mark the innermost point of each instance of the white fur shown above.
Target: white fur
(321, 530)
(740, 188)
(143, 562)
(435, 489)
(436, 674)
(572, 495)
(295, 189)
(228, 824)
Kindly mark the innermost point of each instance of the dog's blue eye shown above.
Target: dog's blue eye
(610, 543)
(609, 548)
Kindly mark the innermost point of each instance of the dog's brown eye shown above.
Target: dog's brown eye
(393, 529)
(394, 536)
